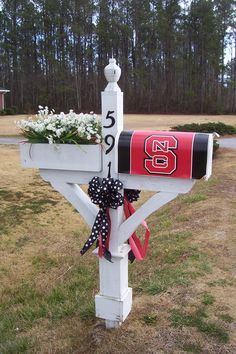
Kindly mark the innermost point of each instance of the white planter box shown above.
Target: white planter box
(62, 157)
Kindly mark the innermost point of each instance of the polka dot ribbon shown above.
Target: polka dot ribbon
(132, 195)
(105, 193)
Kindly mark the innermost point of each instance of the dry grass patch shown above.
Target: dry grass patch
(133, 121)
(8, 126)
(183, 292)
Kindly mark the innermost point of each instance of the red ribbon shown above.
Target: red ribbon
(138, 249)
(100, 248)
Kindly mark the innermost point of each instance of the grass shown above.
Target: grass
(133, 121)
(195, 198)
(221, 282)
(226, 318)
(18, 206)
(19, 345)
(43, 262)
(22, 241)
(198, 320)
(183, 291)
(150, 319)
(208, 299)
(179, 263)
(23, 306)
(192, 348)
(167, 278)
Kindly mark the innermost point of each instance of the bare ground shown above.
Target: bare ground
(39, 247)
(8, 124)
(133, 121)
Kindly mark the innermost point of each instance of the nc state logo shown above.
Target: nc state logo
(161, 157)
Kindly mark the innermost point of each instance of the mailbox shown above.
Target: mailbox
(165, 154)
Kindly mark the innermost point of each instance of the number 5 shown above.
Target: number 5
(113, 121)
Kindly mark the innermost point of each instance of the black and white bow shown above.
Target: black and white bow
(105, 193)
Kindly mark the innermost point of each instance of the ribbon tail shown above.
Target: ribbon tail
(109, 229)
(100, 247)
(107, 253)
(139, 250)
(142, 249)
(104, 235)
(94, 234)
(131, 256)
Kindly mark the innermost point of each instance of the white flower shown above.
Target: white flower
(51, 126)
(50, 139)
(58, 133)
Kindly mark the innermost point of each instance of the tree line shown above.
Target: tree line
(176, 56)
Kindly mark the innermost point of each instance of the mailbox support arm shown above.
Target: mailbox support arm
(127, 228)
(79, 199)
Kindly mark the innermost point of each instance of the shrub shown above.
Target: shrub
(211, 127)
(8, 111)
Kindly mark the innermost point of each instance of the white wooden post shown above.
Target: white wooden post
(114, 301)
(66, 167)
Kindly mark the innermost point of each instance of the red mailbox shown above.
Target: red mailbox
(166, 154)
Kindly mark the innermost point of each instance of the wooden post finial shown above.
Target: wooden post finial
(112, 74)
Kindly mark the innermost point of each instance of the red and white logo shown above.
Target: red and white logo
(156, 153)
(161, 156)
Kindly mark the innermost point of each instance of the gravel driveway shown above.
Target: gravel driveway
(228, 143)
(10, 141)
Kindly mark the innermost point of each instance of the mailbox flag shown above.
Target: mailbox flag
(166, 154)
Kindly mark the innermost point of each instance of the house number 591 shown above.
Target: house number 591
(109, 138)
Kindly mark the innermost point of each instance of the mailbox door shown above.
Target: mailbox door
(166, 154)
